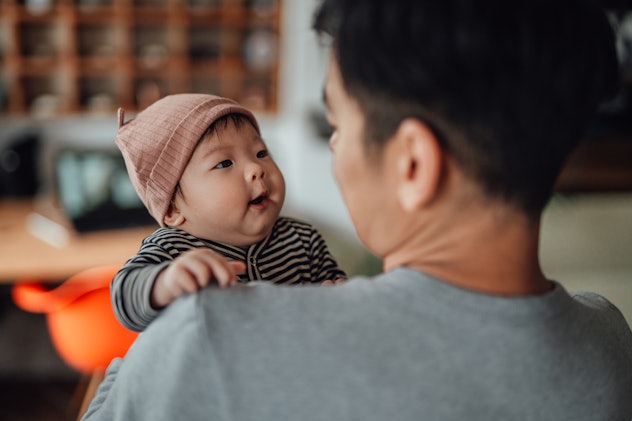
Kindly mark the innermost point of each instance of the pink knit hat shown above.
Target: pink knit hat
(159, 142)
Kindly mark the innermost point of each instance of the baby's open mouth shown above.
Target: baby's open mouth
(258, 200)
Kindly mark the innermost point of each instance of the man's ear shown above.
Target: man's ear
(419, 164)
(173, 217)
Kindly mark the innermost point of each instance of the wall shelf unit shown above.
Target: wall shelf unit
(62, 57)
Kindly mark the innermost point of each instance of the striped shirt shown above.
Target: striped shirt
(293, 253)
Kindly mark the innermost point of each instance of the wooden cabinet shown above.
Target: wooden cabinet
(61, 57)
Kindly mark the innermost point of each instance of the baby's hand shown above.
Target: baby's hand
(336, 282)
(191, 271)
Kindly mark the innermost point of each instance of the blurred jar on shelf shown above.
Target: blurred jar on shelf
(260, 50)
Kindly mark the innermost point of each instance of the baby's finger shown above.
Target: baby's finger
(230, 278)
(185, 283)
(216, 267)
(238, 267)
(225, 274)
(201, 270)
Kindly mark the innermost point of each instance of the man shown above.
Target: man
(451, 122)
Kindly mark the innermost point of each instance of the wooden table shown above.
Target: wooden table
(25, 256)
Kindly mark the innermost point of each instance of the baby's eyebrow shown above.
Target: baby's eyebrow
(258, 138)
(212, 147)
(216, 145)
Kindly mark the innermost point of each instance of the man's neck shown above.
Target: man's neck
(486, 249)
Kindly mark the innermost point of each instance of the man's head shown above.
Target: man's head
(507, 88)
(159, 144)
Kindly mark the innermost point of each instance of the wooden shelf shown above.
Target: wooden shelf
(61, 57)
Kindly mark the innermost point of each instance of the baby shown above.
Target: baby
(201, 168)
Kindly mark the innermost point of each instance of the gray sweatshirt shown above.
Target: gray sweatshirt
(399, 346)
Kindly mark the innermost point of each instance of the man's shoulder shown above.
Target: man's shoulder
(178, 318)
(603, 313)
(266, 301)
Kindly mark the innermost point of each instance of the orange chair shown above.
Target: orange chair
(80, 319)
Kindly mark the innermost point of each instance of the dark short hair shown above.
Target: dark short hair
(220, 124)
(508, 87)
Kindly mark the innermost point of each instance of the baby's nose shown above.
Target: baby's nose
(254, 171)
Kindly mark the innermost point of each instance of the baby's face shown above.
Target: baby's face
(232, 190)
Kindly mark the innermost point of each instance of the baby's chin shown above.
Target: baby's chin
(246, 239)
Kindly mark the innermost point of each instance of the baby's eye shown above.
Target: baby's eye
(224, 164)
(262, 153)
